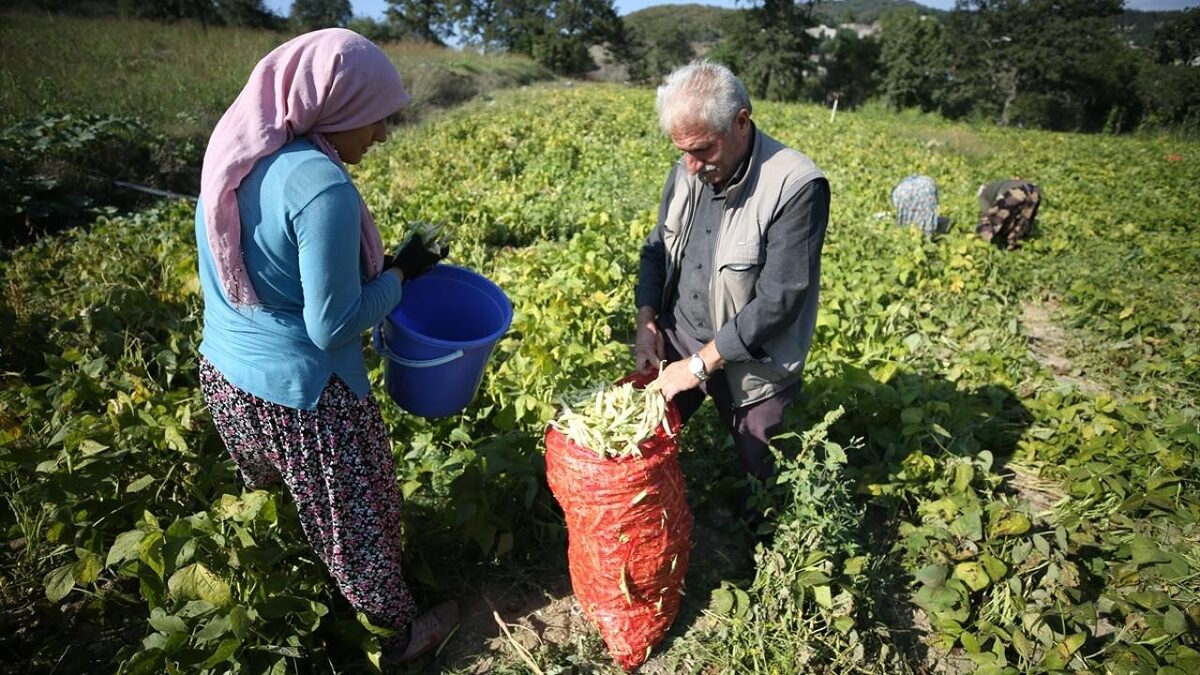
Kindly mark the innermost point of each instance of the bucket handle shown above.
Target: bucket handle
(382, 348)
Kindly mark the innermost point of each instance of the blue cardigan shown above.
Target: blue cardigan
(300, 240)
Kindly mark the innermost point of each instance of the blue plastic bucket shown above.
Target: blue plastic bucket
(438, 340)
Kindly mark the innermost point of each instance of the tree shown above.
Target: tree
(850, 65)
(768, 47)
(314, 14)
(913, 53)
(556, 33)
(1170, 88)
(1178, 41)
(1049, 63)
(248, 13)
(428, 20)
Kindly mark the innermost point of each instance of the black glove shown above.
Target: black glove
(413, 259)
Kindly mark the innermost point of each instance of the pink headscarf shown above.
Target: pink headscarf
(324, 81)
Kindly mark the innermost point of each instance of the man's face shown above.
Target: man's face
(713, 156)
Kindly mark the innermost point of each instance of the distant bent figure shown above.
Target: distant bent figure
(1007, 209)
(916, 201)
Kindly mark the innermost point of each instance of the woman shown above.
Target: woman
(293, 272)
(1007, 209)
(916, 202)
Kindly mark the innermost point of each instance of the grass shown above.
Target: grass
(180, 77)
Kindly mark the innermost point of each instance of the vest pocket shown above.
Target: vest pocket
(736, 280)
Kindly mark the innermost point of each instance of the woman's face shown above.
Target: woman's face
(352, 144)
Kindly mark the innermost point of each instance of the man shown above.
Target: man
(729, 277)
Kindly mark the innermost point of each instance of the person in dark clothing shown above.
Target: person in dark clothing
(1007, 209)
(729, 277)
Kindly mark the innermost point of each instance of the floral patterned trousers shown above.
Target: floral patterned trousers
(337, 464)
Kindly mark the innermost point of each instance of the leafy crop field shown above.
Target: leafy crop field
(994, 467)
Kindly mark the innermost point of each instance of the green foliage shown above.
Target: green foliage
(1040, 63)
(1035, 516)
(835, 12)
(668, 36)
(1177, 41)
(428, 20)
(314, 14)
(179, 78)
(242, 13)
(58, 170)
(851, 64)
(914, 56)
(555, 33)
(1171, 95)
(768, 48)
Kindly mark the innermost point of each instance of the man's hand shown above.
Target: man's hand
(676, 378)
(649, 350)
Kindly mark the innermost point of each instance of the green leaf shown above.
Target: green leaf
(1022, 643)
(89, 447)
(174, 438)
(963, 475)
(1058, 657)
(973, 575)
(1174, 621)
(150, 551)
(932, 575)
(823, 596)
(223, 652)
(87, 568)
(125, 547)
(239, 621)
(214, 628)
(1010, 524)
(197, 582)
(995, 568)
(1144, 551)
(140, 484)
(722, 601)
(167, 623)
(59, 582)
(742, 600)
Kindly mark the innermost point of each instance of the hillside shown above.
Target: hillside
(834, 12)
(701, 23)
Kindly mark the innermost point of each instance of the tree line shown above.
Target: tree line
(1054, 64)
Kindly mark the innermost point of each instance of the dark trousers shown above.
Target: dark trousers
(751, 426)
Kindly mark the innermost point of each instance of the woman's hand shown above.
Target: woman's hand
(414, 259)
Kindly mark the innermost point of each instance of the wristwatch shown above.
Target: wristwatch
(696, 367)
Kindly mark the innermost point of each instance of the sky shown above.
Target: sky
(376, 8)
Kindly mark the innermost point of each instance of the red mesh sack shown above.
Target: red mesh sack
(629, 532)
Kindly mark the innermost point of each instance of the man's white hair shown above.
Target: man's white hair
(702, 92)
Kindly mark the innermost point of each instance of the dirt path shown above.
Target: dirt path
(1051, 346)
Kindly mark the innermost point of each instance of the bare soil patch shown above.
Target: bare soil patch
(1051, 346)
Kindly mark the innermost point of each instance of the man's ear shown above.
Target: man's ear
(742, 119)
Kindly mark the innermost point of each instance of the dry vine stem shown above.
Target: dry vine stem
(521, 651)
(612, 420)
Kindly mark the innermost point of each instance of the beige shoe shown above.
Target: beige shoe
(428, 632)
